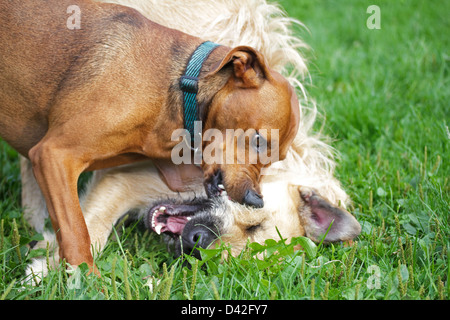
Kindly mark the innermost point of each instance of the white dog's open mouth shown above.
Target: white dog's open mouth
(192, 224)
(171, 218)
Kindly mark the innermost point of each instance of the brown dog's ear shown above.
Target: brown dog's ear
(179, 178)
(249, 66)
(317, 215)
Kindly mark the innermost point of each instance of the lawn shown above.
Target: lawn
(383, 97)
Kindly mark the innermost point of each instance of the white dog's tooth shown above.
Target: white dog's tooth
(158, 229)
(162, 209)
(188, 218)
(154, 220)
(221, 186)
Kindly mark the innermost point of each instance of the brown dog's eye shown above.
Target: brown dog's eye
(259, 143)
(252, 228)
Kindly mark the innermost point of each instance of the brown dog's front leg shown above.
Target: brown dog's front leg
(57, 170)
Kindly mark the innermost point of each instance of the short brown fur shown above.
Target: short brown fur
(104, 95)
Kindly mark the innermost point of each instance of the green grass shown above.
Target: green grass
(384, 94)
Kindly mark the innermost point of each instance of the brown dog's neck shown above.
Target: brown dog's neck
(162, 56)
(208, 86)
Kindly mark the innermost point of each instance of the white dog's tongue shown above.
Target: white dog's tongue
(175, 224)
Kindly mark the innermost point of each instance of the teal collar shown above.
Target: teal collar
(189, 84)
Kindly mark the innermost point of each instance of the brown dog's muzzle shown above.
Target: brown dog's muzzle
(219, 181)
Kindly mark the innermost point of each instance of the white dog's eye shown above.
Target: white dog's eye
(259, 143)
(253, 228)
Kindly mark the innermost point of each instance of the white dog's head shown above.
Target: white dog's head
(291, 211)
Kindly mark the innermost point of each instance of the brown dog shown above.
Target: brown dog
(108, 93)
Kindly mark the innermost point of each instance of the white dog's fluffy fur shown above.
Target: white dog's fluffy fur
(113, 192)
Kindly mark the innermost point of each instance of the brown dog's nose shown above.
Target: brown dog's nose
(252, 198)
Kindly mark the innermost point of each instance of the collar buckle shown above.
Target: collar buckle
(189, 84)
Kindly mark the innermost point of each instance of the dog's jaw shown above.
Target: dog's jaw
(170, 216)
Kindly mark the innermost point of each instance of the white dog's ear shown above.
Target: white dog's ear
(317, 214)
